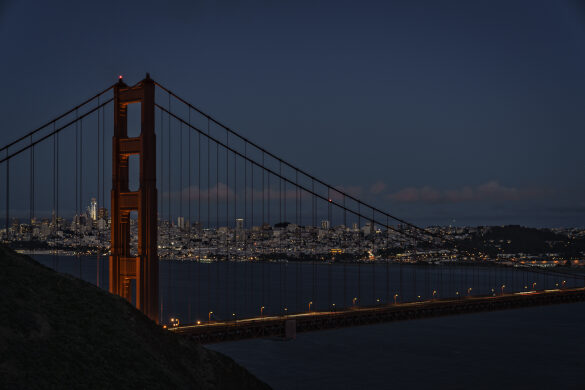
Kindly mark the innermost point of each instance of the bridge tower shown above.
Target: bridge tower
(144, 267)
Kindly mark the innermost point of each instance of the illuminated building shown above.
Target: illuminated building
(92, 210)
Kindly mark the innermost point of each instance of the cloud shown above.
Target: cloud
(490, 191)
(223, 192)
(377, 187)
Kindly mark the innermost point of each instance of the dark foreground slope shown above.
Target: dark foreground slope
(60, 332)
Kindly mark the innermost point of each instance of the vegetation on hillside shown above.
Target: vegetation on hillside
(57, 331)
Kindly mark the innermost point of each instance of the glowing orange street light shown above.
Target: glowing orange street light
(209, 316)
(564, 281)
(503, 287)
(534, 286)
(434, 293)
(198, 322)
(354, 300)
(469, 291)
(395, 296)
(310, 303)
(262, 311)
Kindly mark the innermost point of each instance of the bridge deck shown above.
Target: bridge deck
(287, 326)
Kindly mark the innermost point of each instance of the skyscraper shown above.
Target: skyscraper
(92, 210)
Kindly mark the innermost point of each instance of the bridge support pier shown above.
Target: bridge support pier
(144, 267)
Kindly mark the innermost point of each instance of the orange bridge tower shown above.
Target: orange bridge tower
(144, 267)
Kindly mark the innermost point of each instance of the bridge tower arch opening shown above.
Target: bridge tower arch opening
(124, 267)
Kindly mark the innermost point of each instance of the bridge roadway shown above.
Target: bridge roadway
(287, 326)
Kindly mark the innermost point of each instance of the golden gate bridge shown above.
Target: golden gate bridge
(300, 254)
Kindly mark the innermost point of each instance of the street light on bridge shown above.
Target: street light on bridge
(209, 316)
(310, 303)
(354, 300)
(262, 311)
(469, 291)
(503, 287)
(395, 296)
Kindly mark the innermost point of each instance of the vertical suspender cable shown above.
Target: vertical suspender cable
(314, 205)
(160, 215)
(387, 264)
(98, 196)
(31, 189)
(359, 232)
(76, 221)
(227, 224)
(189, 241)
(217, 300)
(234, 237)
(245, 227)
(53, 216)
(199, 225)
(7, 196)
(208, 217)
(262, 237)
(330, 265)
(372, 238)
(283, 288)
(344, 261)
(299, 270)
(170, 261)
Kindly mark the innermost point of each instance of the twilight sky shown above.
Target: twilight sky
(441, 112)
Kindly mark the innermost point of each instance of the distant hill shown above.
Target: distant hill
(57, 331)
(519, 239)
